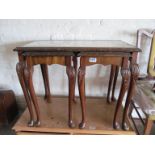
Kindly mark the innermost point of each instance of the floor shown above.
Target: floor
(54, 117)
(7, 130)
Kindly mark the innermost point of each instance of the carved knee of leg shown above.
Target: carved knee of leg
(125, 74)
(71, 72)
(19, 68)
(135, 71)
(81, 72)
(26, 75)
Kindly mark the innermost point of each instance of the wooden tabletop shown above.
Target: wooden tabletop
(78, 47)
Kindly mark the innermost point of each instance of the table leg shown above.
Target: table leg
(75, 68)
(114, 84)
(134, 77)
(28, 77)
(81, 85)
(44, 70)
(125, 72)
(112, 74)
(71, 78)
(20, 73)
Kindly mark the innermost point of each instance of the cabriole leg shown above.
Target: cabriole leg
(112, 73)
(20, 73)
(81, 84)
(114, 84)
(28, 77)
(75, 68)
(71, 78)
(125, 72)
(44, 70)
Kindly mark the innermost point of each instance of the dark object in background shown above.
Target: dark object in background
(8, 107)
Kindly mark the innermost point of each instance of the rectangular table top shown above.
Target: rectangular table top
(68, 47)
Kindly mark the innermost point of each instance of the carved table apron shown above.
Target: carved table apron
(62, 52)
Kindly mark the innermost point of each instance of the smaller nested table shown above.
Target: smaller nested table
(110, 52)
(43, 53)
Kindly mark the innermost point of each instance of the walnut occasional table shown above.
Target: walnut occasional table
(110, 52)
(62, 52)
(44, 53)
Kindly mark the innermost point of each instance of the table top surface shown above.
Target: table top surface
(81, 46)
(77, 44)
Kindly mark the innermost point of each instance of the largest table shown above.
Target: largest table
(106, 52)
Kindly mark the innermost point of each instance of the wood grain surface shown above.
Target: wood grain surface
(54, 117)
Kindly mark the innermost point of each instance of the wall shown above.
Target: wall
(18, 32)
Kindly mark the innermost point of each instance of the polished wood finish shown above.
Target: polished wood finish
(140, 34)
(58, 52)
(44, 70)
(135, 75)
(25, 72)
(54, 118)
(116, 70)
(35, 60)
(90, 60)
(70, 70)
(112, 80)
(86, 61)
(20, 73)
(78, 47)
(109, 55)
(75, 65)
(125, 72)
(28, 72)
(81, 84)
